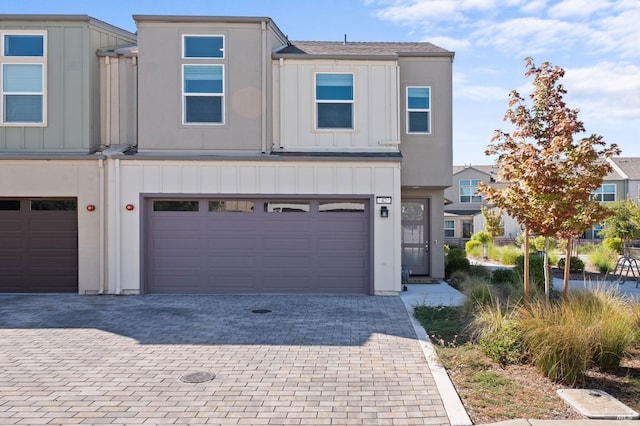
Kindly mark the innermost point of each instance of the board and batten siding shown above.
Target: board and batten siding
(72, 88)
(376, 124)
(151, 178)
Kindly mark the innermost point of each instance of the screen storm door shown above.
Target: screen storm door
(415, 236)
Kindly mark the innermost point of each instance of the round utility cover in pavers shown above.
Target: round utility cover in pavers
(198, 377)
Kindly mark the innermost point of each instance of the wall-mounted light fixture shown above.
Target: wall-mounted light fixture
(384, 211)
(129, 207)
(91, 208)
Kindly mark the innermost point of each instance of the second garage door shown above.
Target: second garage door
(257, 246)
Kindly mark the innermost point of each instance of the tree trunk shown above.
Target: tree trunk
(547, 287)
(526, 267)
(567, 268)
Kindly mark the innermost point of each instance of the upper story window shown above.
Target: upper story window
(23, 83)
(203, 79)
(468, 190)
(419, 109)
(334, 100)
(203, 92)
(203, 46)
(606, 192)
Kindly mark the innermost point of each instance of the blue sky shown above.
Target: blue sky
(597, 42)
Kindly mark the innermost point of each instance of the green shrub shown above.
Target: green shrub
(480, 271)
(470, 245)
(506, 254)
(538, 243)
(613, 244)
(576, 266)
(483, 236)
(479, 293)
(504, 276)
(457, 278)
(498, 335)
(603, 258)
(455, 260)
(536, 269)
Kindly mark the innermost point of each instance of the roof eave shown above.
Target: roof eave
(348, 57)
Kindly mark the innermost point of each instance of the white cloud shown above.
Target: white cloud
(577, 8)
(605, 91)
(465, 90)
(450, 43)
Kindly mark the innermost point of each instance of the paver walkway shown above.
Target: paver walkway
(68, 359)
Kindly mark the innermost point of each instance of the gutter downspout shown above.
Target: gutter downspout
(107, 119)
(281, 102)
(263, 100)
(134, 60)
(117, 239)
(399, 102)
(101, 231)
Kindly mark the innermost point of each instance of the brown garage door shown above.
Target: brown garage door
(39, 248)
(258, 246)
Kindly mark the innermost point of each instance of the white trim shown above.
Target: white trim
(409, 110)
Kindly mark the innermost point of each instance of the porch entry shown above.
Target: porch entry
(415, 235)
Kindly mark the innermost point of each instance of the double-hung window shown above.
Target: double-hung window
(23, 81)
(449, 228)
(203, 79)
(606, 192)
(419, 109)
(334, 100)
(468, 191)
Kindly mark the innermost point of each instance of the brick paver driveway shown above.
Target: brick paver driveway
(68, 359)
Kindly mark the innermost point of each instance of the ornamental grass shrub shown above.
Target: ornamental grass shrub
(603, 258)
(594, 328)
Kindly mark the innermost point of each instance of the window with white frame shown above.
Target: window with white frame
(334, 97)
(449, 228)
(203, 79)
(203, 46)
(468, 191)
(606, 192)
(23, 60)
(419, 109)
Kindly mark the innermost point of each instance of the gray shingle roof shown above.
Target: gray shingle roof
(335, 48)
(630, 166)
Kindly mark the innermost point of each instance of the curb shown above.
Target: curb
(450, 399)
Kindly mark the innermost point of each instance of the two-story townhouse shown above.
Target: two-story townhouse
(236, 161)
(49, 130)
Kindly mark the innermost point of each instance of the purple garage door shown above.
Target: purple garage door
(39, 245)
(257, 246)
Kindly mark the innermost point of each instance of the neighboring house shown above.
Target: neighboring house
(463, 215)
(225, 158)
(49, 130)
(471, 220)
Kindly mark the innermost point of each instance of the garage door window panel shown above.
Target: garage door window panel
(287, 207)
(9, 205)
(59, 205)
(175, 206)
(342, 207)
(231, 206)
